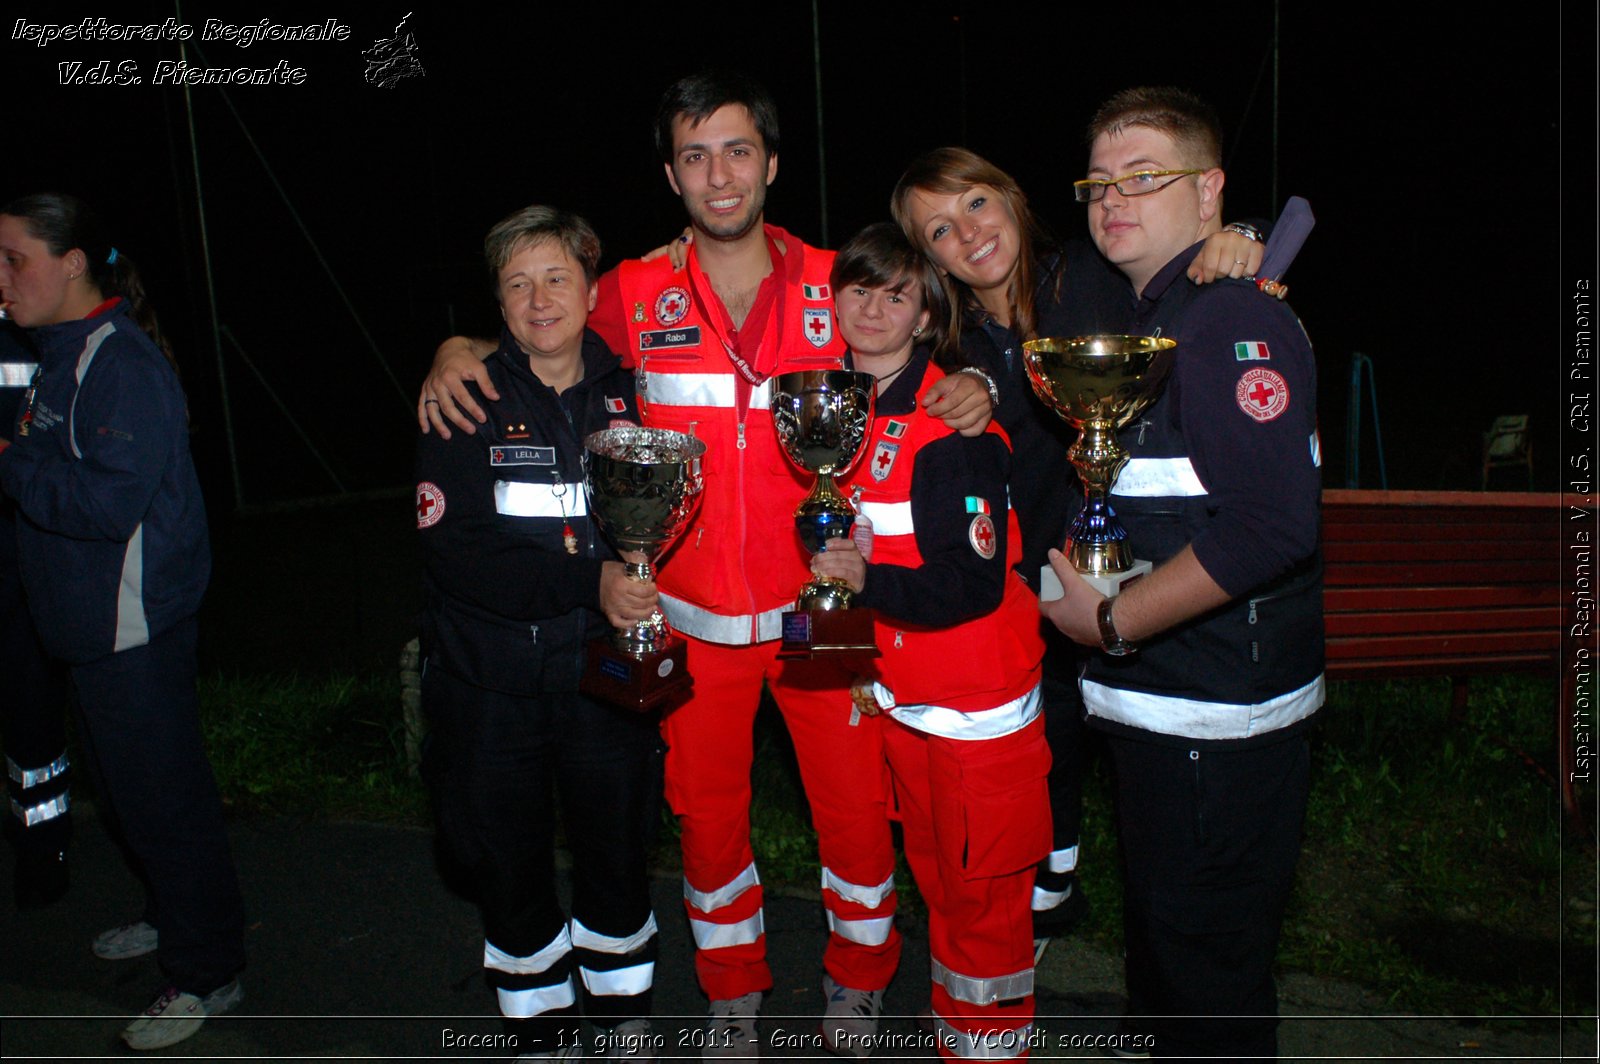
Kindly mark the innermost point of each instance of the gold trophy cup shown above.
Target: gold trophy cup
(822, 418)
(642, 485)
(1098, 384)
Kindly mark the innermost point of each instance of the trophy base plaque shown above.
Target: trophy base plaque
(640, 682)
(1108, 584)
(829, 633)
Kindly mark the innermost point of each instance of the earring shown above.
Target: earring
(917, 331)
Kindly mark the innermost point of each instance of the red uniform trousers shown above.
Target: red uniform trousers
(976, 817)
(708, 785)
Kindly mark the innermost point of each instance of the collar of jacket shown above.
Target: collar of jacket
(597, 358)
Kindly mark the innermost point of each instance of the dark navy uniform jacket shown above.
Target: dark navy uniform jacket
(1226, 461)
(506, 606)
(112, 536)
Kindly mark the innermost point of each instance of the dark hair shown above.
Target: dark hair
(537, 225)
(954, 170)
(699, 96)
(1192, 123)
(65, 222)
(880, 257)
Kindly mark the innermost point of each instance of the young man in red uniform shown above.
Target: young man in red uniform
(752, 301)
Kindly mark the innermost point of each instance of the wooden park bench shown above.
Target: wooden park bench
(1452, 583)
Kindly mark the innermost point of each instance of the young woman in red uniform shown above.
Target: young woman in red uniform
(959, 675)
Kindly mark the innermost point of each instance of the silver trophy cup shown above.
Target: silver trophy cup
(822, 418)
(642, 486)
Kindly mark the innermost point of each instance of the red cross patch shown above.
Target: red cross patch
(883, 460)
(819, 326)
(430, 504)
(671, 305)
(1262, 394)
(981, 535)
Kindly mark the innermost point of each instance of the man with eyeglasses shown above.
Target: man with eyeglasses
(1211, 666)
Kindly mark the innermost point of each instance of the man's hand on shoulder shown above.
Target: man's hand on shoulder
(444, 399)
(1226, 254)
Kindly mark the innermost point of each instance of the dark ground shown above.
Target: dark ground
(357, 950)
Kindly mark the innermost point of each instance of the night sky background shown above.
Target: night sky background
(1447, 180)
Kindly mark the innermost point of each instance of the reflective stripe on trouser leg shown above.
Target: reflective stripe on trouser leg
(531, 985)
(39, 793)
(863, 915)
(1007, 1043)
(44, 811)
(32, 777)
(1053, 885)
(976, 991)
(615, 966)
(727, 915)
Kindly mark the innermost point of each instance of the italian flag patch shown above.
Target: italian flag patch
(1251, 351)
(976, 505)
(895, 429)
(817, 293)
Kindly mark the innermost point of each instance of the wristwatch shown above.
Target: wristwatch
(1110, 641)
(1244, 229)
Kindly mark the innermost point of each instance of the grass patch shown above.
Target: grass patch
(298, 746)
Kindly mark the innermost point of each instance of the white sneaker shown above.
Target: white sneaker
(176, 1015)
(629, 1041)
(850, 1021)
(126, 942)
(731, 1028)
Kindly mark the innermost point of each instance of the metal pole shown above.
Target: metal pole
(211, 281)
(1277, 21)
(822, 163)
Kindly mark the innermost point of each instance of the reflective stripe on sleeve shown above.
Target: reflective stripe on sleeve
(708, 935)
(698, 389)
(1195, 719)
(869, 932)
(38, 814)
(521, 1004)
(1158, 478)
(721, 628)
(521, 498)
(32, 777)
(889, 518)
(975, 991)
(17, 374)
(867, 897)
(583, 938)
(619, 982)
(501, 961)
(709, 900)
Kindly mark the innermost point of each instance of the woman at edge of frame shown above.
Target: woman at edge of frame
(115, 560)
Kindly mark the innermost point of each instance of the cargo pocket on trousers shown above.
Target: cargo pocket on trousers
(1004, 804)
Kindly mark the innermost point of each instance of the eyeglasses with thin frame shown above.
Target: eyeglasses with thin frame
(1138, 183)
